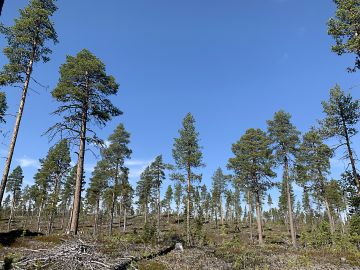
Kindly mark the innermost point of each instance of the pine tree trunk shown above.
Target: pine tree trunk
(124, 228)
(17, 123)
(289, 203)
(221, 212)
(250, 217)
(80, 166)
(158, 209)
(259, 219)
(188, 239)
(351, 157)
(113, 199)
(330, 217)
(120, 211)
(145, 212)
(96, 220)
(168, 214)
(11, 212)
(216, 220)
(39, 215)
(53, 204)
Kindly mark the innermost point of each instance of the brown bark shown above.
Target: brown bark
(17, 122)
(259, 219)
(80, 166)
(289, 203)
(351, 157)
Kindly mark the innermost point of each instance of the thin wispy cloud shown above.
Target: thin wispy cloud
(26, 162)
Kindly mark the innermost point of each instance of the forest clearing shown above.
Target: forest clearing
(158, 190)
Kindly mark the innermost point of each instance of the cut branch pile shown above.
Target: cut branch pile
(73, 254)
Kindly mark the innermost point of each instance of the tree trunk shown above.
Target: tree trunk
(168, 214)
(289, 203)
(330, 217)
(259, 219)
(96, 220)
(158, 209)
(145, 212)
(39, 215)
(352, 161)
(250, 217)
(124, 228)
(120, 211)
(188, 239)
(17, 124)
(53, 204)
(113, 199)
(11, 212)
(80, 166)
(221, 211)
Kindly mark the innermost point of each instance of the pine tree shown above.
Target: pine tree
(66, 195)
(49, 179)
(285, 139)
(252, 165)
(145, 191)
(219, 182)
(344, 28)
(115, 155)
(99, 181)
(26, 45)
(15, 181)
(168, 199)
(313, 166)
(127, 195)
(342, 115)
(158, 170)
(177, 197)
(83, 90)
(188, 156)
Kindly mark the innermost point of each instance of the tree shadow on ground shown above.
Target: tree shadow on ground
(6, 239)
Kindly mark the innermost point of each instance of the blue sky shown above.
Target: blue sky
(231, 63)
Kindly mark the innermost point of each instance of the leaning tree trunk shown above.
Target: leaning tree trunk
(1, 6)
(80, 168)
(330, 217)
(259, 219)
(17, 122)
(289, 203)
(351, 157)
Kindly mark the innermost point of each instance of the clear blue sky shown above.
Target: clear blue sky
(230, 63)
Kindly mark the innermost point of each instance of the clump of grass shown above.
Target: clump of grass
(150, 265)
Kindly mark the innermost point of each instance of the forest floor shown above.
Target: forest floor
(224, 247)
